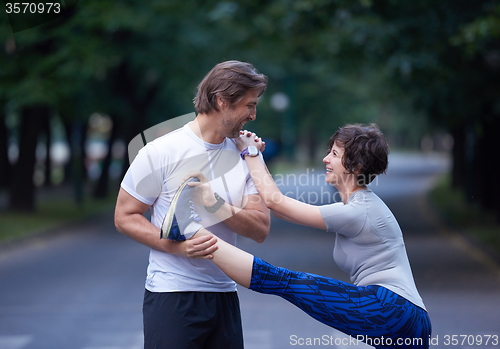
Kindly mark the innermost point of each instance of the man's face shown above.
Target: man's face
(234, 117)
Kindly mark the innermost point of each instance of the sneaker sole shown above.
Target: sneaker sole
(169, 217)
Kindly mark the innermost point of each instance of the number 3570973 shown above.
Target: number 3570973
(31, 7)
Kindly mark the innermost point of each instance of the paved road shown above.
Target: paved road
(81, 287)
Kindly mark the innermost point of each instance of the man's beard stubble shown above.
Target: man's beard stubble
(232, 128)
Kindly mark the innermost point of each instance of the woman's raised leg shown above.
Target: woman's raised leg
(235, 263)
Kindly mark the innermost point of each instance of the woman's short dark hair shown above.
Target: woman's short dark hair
(365, 150)
(230, 81)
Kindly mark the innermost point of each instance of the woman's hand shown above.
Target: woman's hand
(247, 139)
(203, 193)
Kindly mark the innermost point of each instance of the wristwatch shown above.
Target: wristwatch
(250, 151)
(220, 201)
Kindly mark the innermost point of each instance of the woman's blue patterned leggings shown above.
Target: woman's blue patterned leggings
(372, 314)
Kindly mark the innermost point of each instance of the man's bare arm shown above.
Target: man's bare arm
(252, 221)
(129, 220)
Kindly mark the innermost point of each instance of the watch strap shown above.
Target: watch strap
(244, 152)
(220, 201)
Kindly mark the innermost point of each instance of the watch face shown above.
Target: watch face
(253, 151)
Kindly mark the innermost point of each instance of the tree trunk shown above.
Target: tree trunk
(459, 168)
(22, 189)
(471, 162)
(5, 167)
(139, 102)
(75, 171)
(68, 167)
(48, 162)
(488, 167)
(101, 189)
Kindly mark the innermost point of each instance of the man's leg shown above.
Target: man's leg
(228, 333)
(177, 320)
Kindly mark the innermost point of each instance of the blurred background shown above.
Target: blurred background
(75, 90)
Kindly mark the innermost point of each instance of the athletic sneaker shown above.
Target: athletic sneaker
(181, 221)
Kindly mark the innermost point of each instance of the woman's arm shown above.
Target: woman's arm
(287, 208)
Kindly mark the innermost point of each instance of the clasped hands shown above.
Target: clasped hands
(247, 139)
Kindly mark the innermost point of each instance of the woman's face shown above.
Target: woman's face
(335, 171)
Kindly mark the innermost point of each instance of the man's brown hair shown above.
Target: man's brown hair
(365, 150)
(230, 81)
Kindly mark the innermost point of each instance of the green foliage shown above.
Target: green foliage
(174, 43)
(470, 218)
(479, 33)
(323, 43)
(420, 53)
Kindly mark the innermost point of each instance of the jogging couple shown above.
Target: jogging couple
(207, 183)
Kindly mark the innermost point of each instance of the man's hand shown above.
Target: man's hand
(203, 193)
(198, 247)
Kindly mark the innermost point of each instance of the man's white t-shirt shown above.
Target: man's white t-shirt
(153, 178)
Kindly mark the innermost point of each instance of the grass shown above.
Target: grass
(481, 225)
(50, 213)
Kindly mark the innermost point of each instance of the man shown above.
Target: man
(190, 303)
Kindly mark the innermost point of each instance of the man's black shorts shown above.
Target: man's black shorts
(192, 320)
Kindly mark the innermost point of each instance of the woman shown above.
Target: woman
(382, 306)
